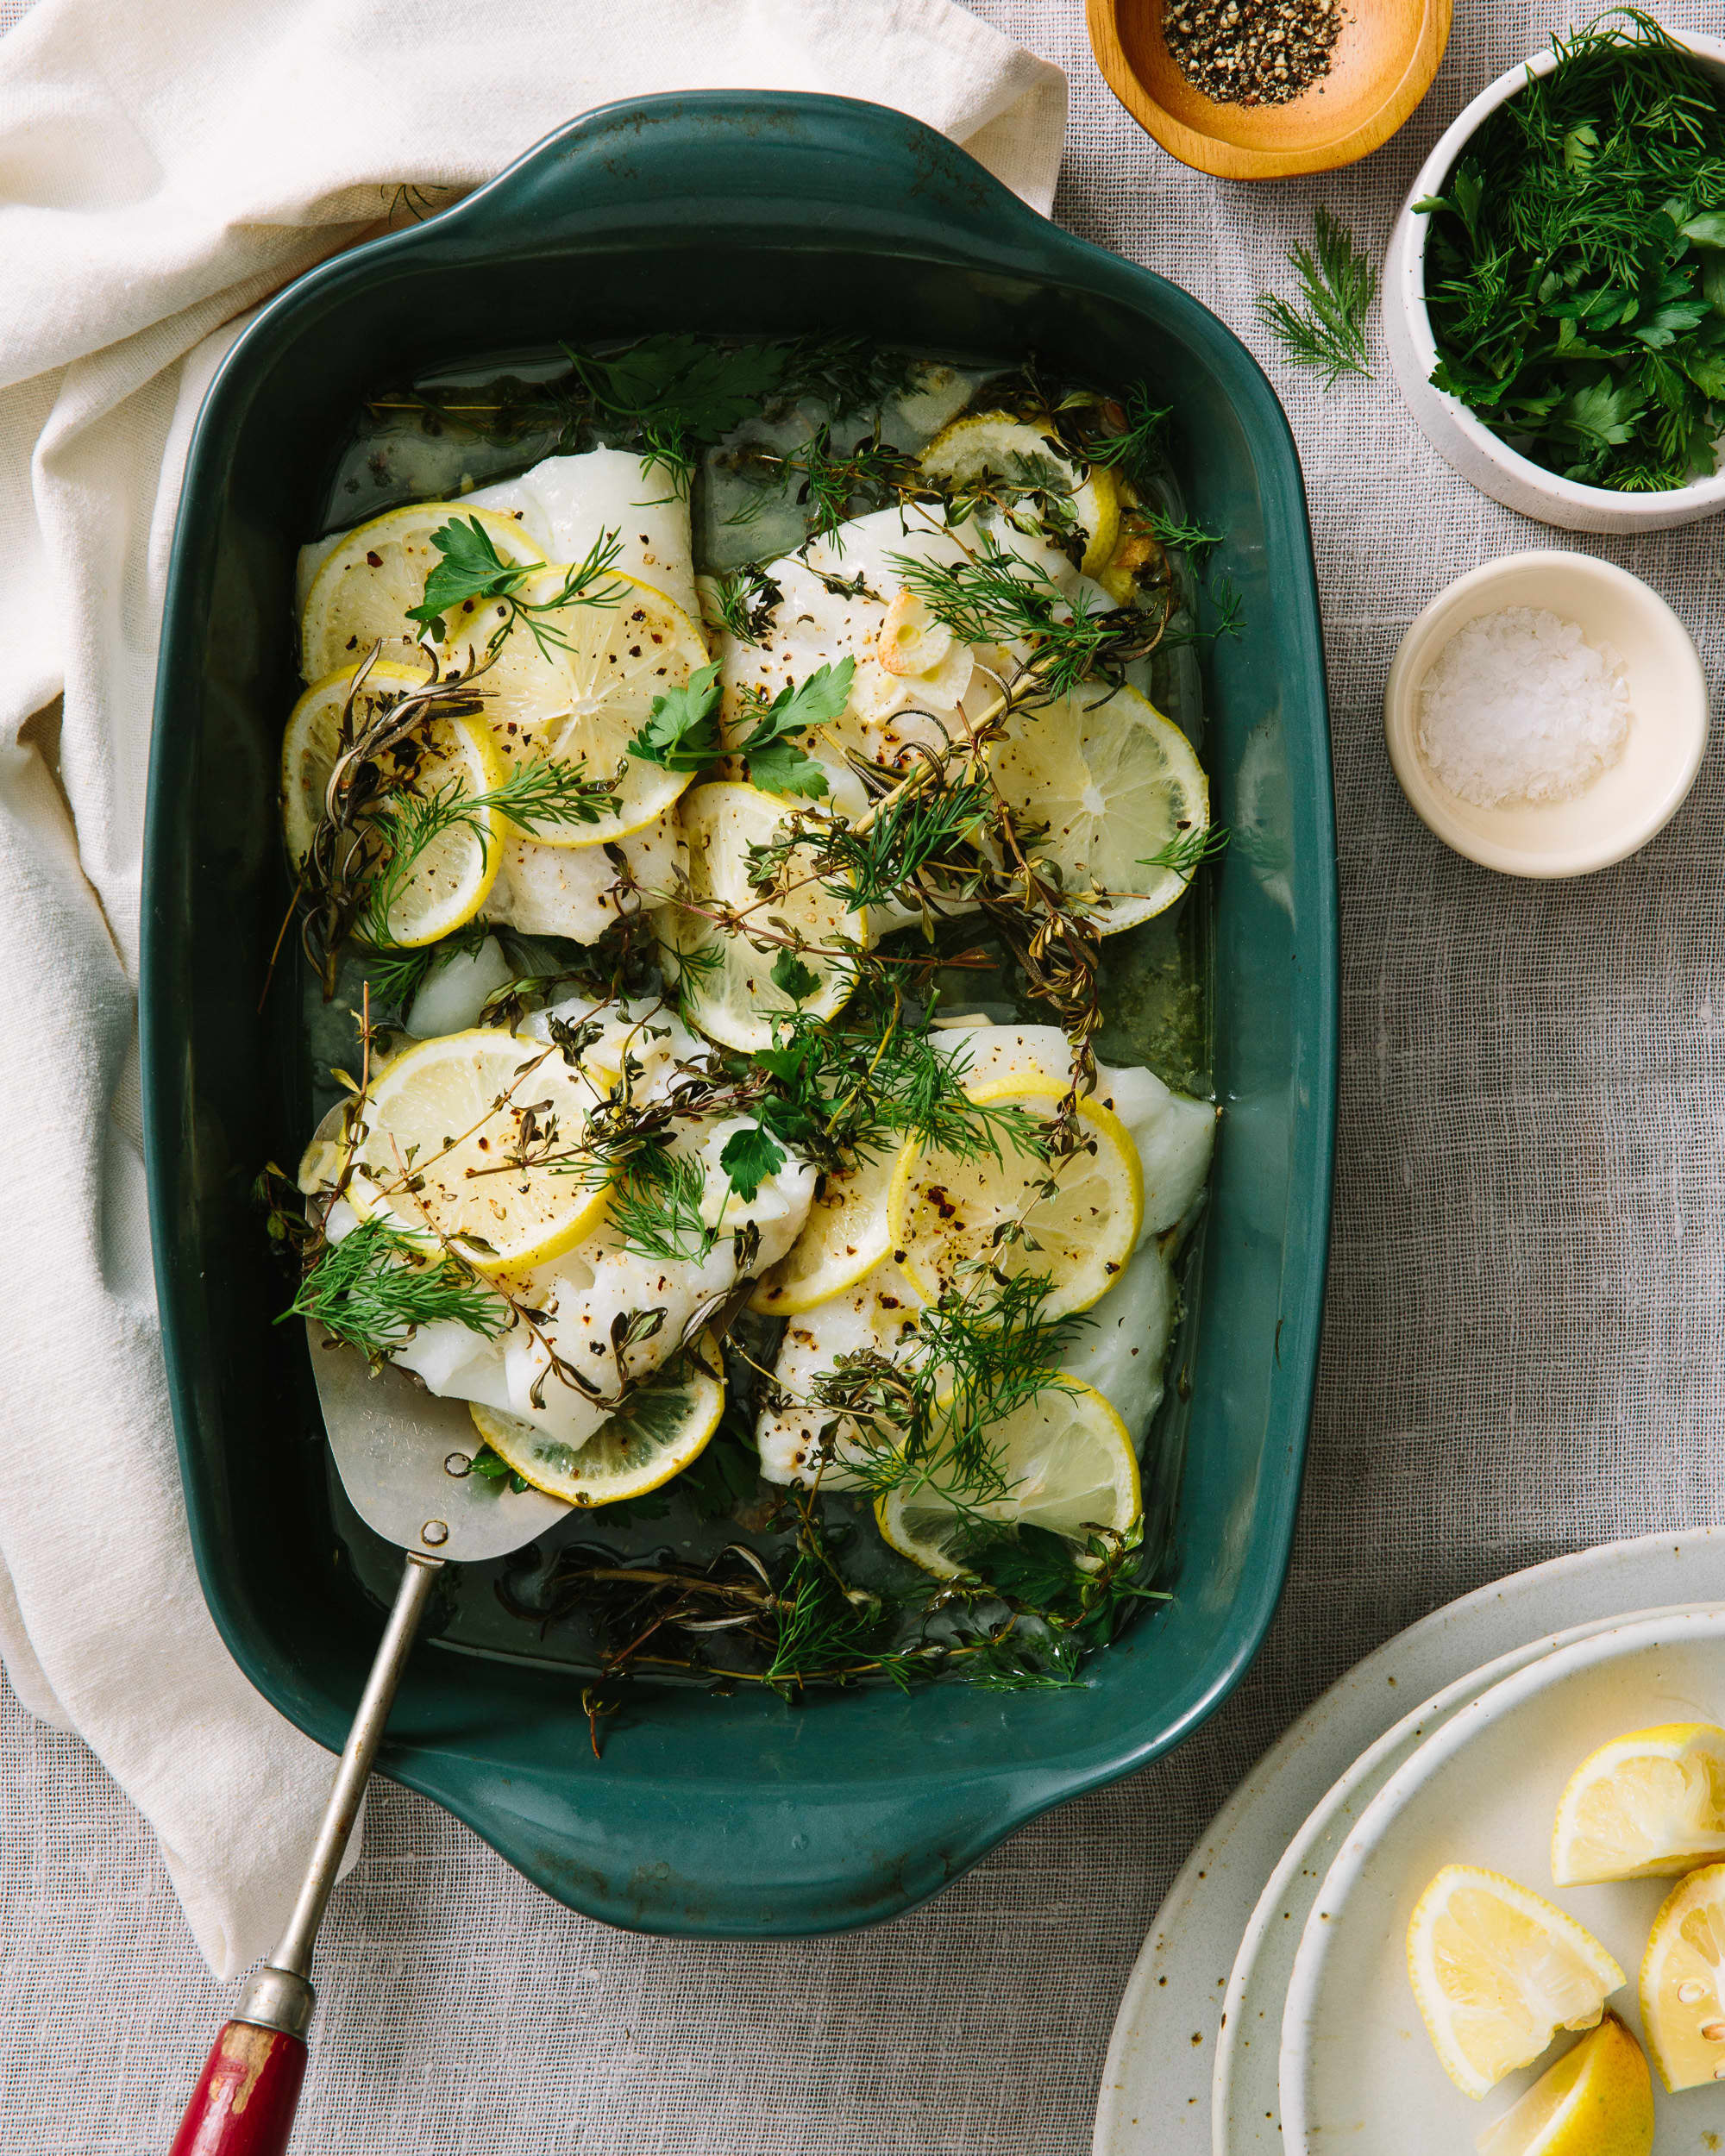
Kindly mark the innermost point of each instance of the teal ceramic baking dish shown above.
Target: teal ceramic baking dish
(761, 214)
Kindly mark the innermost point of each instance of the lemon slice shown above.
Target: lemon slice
(363, 590)
(726, 984)
(1682, 1982)
(1597, 2101)
(994, 446)
(582, 688)
(476, 1139)
(1070, 1464)
(1102, 782)
(658, 1431)
(944, 1213)
(845, 1237)
(451, 876)
(1497, 1971)
(1652, 1801)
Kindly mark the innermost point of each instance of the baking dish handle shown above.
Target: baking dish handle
(727, 159)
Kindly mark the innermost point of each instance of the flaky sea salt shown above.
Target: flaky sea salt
(1518, 707)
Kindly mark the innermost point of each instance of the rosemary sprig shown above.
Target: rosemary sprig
(1327, 330)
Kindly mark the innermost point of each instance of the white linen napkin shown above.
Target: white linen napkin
(162, 169)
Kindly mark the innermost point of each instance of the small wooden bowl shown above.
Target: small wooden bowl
(1383, 64)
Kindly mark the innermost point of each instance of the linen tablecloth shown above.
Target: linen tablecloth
(1522, 1356)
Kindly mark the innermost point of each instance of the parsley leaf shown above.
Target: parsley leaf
(775, 763)
(471, 568)
(681, 731)
(749, 1158)
(798, 981)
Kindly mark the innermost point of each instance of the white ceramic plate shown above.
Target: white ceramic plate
(1245, 2110)
(1154, 2096)
(1357, 2064)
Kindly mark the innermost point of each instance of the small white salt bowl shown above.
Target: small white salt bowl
(1630, 799)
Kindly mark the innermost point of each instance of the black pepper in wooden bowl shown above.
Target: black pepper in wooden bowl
(1252, 52)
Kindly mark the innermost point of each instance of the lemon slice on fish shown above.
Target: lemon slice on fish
(994, 449)
(1069, 1461)
(725, 981)
(576, 681)
(442, 885)
(364, 587)
(1074, 1220)
(475, 1140)
(660, 1428)
(846, 1236)
(1103, 785)
(1497, 1971)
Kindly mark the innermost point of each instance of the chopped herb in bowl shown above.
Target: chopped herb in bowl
(1575, 270)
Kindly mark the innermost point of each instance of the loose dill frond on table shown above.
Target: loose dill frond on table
(1575, 271)
(1326, 330)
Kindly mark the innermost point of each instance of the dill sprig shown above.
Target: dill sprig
(743, 600)
(656, 1208)
(879, 862)
(925, 1418)
(375, 1288)
(1327, 330)
(534, 797)
(1187, 851)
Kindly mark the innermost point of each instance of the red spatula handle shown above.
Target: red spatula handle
(244, 2102)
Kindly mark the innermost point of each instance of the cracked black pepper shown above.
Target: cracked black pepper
(1252, 52)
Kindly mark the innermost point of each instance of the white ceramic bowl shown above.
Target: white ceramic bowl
(1627, 803)
(1451, 430)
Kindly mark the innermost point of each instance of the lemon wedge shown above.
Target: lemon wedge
(945, 1215)
(725, 982)
(661, 1427)
(1652, 1801)
(1497, 1971)
(995, 447)
(476, 1139)
(451, 876)
(1682, 1982)
(1597, 2101)
(583, 688)
(1068, 1460)
(362, 591)
(844, 1238)
(1107, 783)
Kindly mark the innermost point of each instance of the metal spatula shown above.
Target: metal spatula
(404, 1460)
